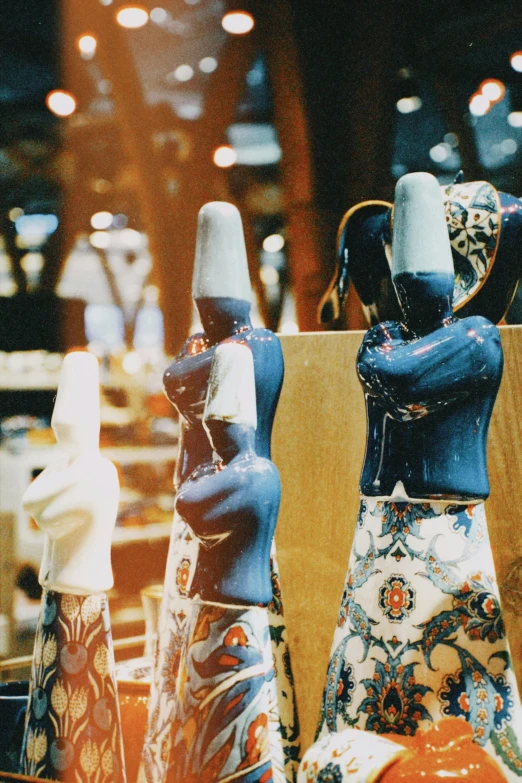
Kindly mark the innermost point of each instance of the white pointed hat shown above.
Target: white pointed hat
(220, 266)
(420, 236)
(76, 414)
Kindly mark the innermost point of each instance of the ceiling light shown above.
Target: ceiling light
(237, 22)
(132, 16)
(409, 105)
(183, 73)
(273, 243)
(493, 89)
(516, 61)
(208, 64)
(101, 220)
(61, 103)
(225, 156)
(87, 45)
(479, 104)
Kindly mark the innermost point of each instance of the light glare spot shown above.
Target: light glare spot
(132, 363)
(101, 220)
(479, 105)
(440, 152)
(225, 156)
(184, 73)
(61, 103)
(87, 45)
(516, 61)
(493, 89)
(409, 105)
(132, 16)
(269, 274)
(273, 243)
(158, 15)
(515, 119)
(208, 64)
(100, 239)
(237, 22)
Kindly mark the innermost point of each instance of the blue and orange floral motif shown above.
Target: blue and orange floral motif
(183, 575)
(393, 700)
(222, 718)
(402, 519)
(396, 598)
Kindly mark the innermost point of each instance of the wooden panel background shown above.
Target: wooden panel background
(319, 441)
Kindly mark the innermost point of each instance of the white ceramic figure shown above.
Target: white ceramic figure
(420, 636)
(73, 730)
(223, 295)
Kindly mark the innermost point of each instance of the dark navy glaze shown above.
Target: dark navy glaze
(430, 387)
(232, 508)
(186, 379)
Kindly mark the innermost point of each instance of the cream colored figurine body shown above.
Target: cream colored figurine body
(72, 730)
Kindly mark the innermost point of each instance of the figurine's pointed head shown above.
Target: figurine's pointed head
(76, 415)
(220, 267)
(230, 416)
(420, 236)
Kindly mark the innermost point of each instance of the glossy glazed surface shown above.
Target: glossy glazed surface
(233, 504)
(429, 397)
(446, 751)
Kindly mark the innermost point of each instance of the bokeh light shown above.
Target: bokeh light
(61, 103)
(87, 45)
(493, 89)
(516, 61)
(101, 220)
(237, 22)
(409, 105)
(132, 16)
(479, 104)
(225, 156)
(208, 64)
(273, 243)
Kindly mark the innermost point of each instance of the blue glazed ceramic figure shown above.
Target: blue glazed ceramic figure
(485, 230)
(73, 728)
(231, 505)
(226, 702)
(420, 635)
(221, 289)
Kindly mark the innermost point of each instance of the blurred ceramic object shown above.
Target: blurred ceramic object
(151, 597)
(72, 730)
(420, 634)
(13, 703)
(485, 230)
(222, 292)
(445, 750)
(134, 677)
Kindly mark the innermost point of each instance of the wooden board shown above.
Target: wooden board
(319, 440)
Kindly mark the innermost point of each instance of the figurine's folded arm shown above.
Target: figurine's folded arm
(452, 362)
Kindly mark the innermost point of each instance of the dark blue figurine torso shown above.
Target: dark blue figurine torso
(186, 382)
(429, 398)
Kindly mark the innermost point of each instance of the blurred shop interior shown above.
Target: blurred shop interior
(118, 121)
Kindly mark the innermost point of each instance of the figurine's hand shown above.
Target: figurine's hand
(75, 499)
(412, 377)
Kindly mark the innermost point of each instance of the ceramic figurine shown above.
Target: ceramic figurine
(72, 730)
(224, 694)
(444, 750)
(221, 289)
(420, 635)
(485, 230)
